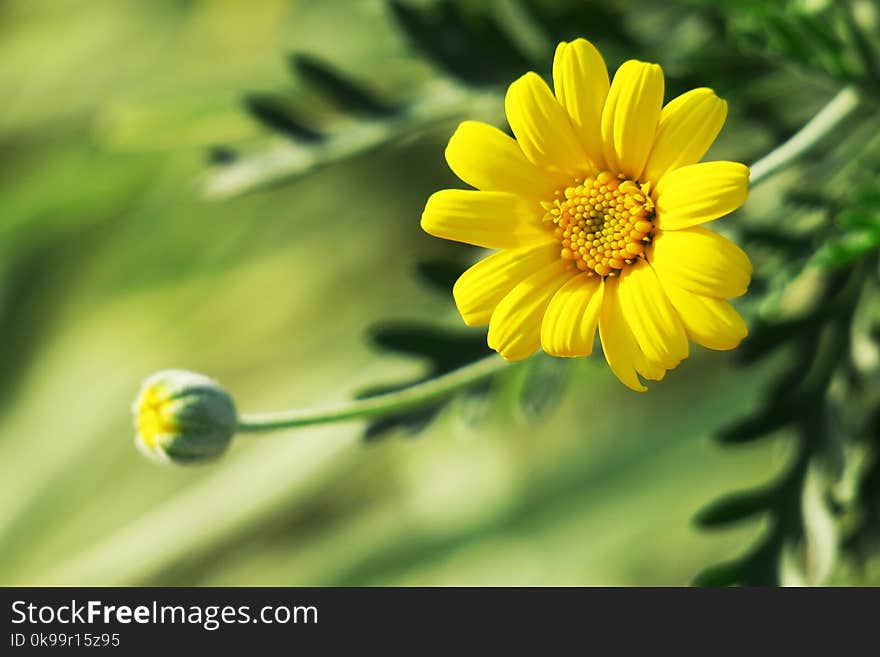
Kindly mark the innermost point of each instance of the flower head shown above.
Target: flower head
(183, 417)
(596, 208)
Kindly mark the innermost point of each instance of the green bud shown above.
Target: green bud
(183, 417)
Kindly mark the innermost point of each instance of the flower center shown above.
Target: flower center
(604, 223)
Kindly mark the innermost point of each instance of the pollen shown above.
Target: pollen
(603, 223)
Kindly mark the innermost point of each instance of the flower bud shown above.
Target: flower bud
(183, 417)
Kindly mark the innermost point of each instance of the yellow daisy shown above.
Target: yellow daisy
(595, 209)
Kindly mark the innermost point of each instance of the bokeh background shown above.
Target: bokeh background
(167, 200)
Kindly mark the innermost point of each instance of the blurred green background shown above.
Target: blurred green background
(118, 259)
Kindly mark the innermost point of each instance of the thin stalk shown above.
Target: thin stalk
(407, 399)
(828, 118)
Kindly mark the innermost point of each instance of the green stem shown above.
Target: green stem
(828, 118)
(407, 399)
(441, 387)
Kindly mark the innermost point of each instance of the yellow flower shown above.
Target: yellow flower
(595, 207)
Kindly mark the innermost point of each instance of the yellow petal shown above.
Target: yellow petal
(496, 220)
(698, 193)
(618, 343)
(486, 158)
(651, 317)
(479, 290)
(542, 127)
(580, 80)
(515, 327)
(569, 326)
(688, 126)
(630, 116)
(713, 323)
(648, 369)
(702, 261)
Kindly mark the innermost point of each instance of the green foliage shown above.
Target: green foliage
(827, 279)
(824, 36)
(858, 234)
(474, 49)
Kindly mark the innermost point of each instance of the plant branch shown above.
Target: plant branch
(828, 118)
(407, 399)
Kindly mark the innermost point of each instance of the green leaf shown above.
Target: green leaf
(735, 507)
(542, 386)
(447, 349)
(443, 349)
(756, 427)
(788, 39)
(848, 248)
(859, 218)
(723, 574)
(277, 115)
(341, 89)
(439, 102)
(440, 275)
(466, 41)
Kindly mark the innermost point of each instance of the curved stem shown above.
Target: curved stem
(441, 387)
(381, 405)
(828, 118)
